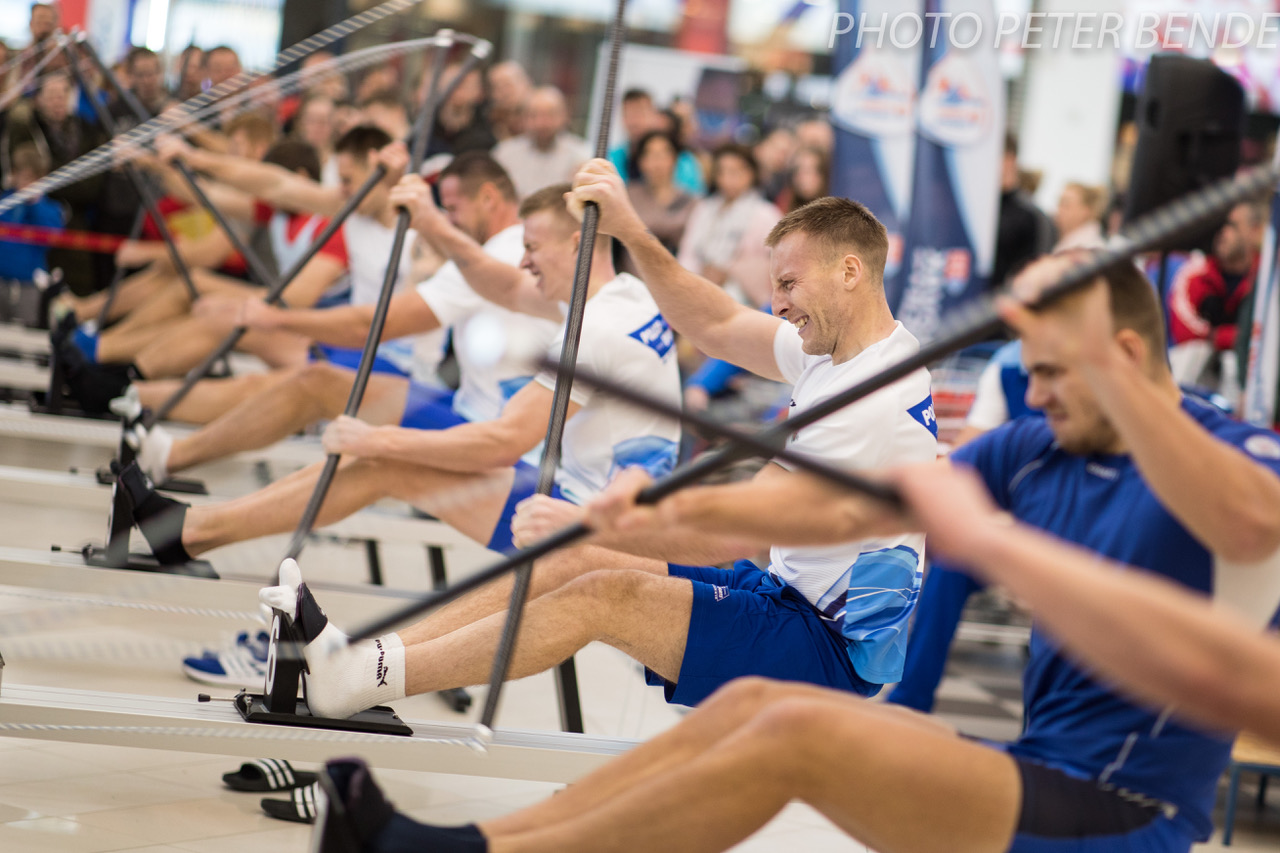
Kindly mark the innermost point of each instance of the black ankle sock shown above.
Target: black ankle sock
(403, 835)
(159, 518)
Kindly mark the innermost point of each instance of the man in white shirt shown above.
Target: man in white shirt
(494, 346)
(546, 153)
(472, 475)
(833, 616)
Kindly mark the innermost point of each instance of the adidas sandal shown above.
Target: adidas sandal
(300, 807)
(266, 775)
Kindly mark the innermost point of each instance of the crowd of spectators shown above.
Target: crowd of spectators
(708, 200)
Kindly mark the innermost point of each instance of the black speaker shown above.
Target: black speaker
(1190, 120)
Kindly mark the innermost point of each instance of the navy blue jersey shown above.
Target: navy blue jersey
(1101, 502)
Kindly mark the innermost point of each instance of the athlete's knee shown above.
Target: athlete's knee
(612, 587)
(560, 567)
(321, 383)
(795, 727)
(751, 691)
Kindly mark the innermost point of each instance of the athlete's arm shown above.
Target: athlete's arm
(776, 507)
(1159, 642)
(346, 325)
(702, 312)
(500, 283)
(467, 448)
(275, 185)
(1224, 498)
(231, 202)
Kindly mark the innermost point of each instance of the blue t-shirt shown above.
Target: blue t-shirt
(20, 261)
(1101, 502)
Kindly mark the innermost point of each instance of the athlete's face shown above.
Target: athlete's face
(1055, 384)
(467, 213)
(809, 293)
(352, 173)
(550, 253)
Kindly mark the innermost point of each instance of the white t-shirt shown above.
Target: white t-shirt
(369, 249)
(869, 586)
(624, 339)
(495, 347)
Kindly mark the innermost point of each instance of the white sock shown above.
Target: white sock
(153, 455)
(346, 679)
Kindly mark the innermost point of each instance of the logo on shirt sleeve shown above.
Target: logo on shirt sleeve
(924, 415)
(656, 335)
(1263, 446)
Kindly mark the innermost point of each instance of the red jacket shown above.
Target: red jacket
(1200, 305)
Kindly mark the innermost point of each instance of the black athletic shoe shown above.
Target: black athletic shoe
(159, 518)
(353, 810)
(92, 386)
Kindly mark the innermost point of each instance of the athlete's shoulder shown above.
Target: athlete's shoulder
(1013, 443)
(1259, 442)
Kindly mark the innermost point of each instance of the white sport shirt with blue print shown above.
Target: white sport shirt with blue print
(624, 339)
(869, 587)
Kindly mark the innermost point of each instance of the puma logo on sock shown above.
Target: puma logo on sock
(381, 672)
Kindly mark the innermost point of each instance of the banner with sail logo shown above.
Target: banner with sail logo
(873, 114)
(950, 237)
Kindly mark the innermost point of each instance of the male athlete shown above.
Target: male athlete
(834, 616)
(471, 475)
(495, 347)
(1121, 465)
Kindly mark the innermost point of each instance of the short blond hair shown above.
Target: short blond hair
(841, 227)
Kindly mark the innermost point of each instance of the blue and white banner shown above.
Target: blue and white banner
(951, 233)
(1263, 370)
(873, 106)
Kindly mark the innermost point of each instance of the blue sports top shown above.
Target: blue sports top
(1101, 502)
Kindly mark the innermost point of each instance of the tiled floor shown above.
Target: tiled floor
(72, 798)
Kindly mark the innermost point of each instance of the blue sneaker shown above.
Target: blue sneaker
(241, 664)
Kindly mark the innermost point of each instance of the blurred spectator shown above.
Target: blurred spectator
(44, 22)
(1023, 231)
(816, 133)
(378, 79)
(120, 200)
(810, 173)
(1206, 296)
(1078, 217)
(19, 261)
(773, 155)
(188, 73)
(315, 125)
(221, 63)
(663, 206)
(546, 153)
(724, 239)
(639, 116)
(460, 124)
(385, 110)
(61, 136)
(346, 115)
(145, 78)
(509, 91)
(314, 82)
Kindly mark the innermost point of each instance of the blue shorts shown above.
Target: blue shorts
(525, 485)
(350, 359)
(1066, 813)
(746, 622)
(427, 407)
